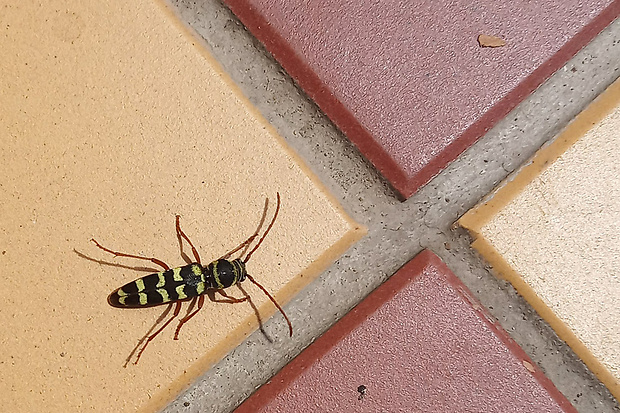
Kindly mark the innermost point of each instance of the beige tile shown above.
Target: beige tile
(113, 120)
(552, 230)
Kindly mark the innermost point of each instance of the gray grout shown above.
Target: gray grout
(397, 230)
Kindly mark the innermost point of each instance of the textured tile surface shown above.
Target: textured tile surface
(420, 342)
(112, 121)
(408, 83)
(553, 232)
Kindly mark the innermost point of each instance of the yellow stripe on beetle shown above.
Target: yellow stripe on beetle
(181, 292)
(161, 280)
(164, 295)
(216, 276)
(176, 274)
(140, 284)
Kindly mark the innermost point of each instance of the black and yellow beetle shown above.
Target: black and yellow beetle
(189, 282)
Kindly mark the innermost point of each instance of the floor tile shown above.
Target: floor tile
(420, 342)
(113, 121)
(552, 230)
(409, 84)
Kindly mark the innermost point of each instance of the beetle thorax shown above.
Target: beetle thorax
(226, 273)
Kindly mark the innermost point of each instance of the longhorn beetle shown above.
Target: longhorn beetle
(189, 282)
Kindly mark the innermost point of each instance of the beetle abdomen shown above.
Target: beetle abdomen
(162, 287)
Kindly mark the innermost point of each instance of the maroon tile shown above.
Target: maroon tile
(409, 83)
(420, 342)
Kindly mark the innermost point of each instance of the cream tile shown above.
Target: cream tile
(113, 121)
(553, 232)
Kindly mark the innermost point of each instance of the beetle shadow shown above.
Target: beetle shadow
(161, 318)
(115, 264)
(256, 313)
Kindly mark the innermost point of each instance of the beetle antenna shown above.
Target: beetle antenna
(273, 300)
(247, 258)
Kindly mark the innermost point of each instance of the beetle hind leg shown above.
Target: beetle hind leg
(185, 319)
(177, 310)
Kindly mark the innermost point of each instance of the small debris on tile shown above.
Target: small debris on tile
(490, 41)
(362, 391)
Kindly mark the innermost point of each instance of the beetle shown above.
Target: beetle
(173, 286)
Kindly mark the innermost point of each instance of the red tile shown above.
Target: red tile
(418, 342)
(409, 85)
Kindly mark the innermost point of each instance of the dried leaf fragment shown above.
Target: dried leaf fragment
(490, 41)
(528, 366)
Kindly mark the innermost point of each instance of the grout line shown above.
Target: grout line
(424, 221)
